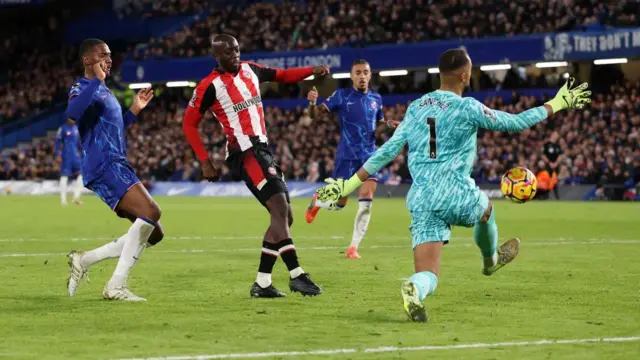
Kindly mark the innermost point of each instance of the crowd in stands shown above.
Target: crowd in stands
(313, 24)
(599, 145)
(38, 70)
(146, 9)
(36, 67)
(36, 73)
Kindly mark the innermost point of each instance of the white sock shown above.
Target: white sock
(106, 251)
(296, 272)
(263, 280)
(64, 180)
(135, 241)
(361, 223)
(78, 188)
(490, 261)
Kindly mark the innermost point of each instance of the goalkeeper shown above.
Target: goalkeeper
(441, 131)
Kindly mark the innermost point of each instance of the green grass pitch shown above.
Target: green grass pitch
(577, 277)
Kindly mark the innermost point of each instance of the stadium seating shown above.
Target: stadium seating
(277, 27)
(314, 24)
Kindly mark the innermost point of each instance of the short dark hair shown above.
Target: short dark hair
(87, 45)
(452, 60)
(359, 62)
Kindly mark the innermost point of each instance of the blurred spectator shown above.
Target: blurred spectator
(154, 8)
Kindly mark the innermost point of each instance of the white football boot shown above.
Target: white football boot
(76, 271)
(506, 253)
(121, 293)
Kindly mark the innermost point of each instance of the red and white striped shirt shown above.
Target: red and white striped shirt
(234, 100)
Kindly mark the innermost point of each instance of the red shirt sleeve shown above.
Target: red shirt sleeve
(203, 98)
(293, 75)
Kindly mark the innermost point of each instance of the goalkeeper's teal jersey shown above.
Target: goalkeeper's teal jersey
(441, 130)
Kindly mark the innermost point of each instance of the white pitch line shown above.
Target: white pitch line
(542, 342)
(201, 251)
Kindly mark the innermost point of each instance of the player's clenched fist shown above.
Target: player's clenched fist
(99, 69)
(321, 70)
(312, 96)
(209, 172)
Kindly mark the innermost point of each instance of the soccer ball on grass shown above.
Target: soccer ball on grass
(519, 185)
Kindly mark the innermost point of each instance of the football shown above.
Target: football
(519, 185)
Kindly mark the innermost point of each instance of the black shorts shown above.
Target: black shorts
(258, 169)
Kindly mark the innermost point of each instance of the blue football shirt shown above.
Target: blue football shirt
(68, 143)
(358, 114)
(101, 125)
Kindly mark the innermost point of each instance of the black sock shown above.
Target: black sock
(268, 257)
(288, 254)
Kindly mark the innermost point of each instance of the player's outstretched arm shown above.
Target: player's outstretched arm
(339, 188)
(295, 75)
(567, 98)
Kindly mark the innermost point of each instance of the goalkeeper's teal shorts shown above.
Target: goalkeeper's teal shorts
(435, 225)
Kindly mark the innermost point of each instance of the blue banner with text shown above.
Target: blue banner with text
(525, 48)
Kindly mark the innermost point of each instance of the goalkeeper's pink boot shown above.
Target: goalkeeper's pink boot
(312, 210)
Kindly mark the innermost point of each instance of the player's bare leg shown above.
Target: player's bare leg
(281, 218)
(363, 216)
(426, 257)
(486, 237)
(138, 203)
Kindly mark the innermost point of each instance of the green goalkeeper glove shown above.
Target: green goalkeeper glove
(568, 98)
(338, 188)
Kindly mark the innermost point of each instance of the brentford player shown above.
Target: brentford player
(232, 93)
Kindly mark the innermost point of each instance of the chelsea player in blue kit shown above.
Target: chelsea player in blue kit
(441, 129)
(359, 112)
(107, 173)
(68, 150)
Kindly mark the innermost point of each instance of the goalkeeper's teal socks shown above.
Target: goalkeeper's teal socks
(426, 283)
(486, 237)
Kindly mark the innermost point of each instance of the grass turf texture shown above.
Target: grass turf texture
(576, 277)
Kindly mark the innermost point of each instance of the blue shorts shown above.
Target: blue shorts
(435, 225)
(113, 183)
(347, 168)
(70, 167)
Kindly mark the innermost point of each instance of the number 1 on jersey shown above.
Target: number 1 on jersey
(433, 149)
